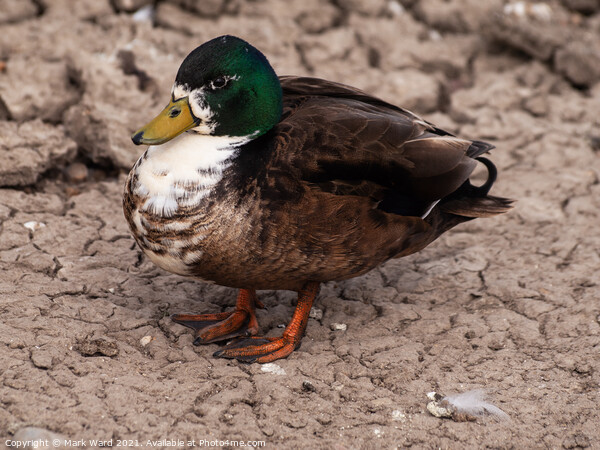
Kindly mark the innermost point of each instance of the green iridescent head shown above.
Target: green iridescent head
(225, 87)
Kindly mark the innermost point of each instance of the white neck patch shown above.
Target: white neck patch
(198, 105)
(183, 171)
(179, 91)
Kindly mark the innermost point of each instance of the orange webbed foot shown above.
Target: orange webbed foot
(226, 325)
(267, 349)
(257, 349)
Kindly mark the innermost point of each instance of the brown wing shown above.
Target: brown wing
(303, 87)
(349, 143)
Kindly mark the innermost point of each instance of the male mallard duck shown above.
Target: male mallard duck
(288, 182)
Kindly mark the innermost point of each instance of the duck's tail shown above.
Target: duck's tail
(470, 201)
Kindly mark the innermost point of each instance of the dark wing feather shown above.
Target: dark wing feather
(303, 87)
(347, 142)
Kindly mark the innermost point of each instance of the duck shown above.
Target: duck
(263, 182)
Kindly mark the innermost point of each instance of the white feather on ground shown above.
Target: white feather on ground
(474, 404)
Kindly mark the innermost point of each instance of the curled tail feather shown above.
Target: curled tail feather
(473, 201)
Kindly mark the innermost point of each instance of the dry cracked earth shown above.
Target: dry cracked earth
(509, 304)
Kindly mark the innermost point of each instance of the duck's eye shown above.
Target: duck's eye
(219, 82)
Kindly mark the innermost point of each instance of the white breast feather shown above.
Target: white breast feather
(182, 171)
(169, 262)
(179, 173)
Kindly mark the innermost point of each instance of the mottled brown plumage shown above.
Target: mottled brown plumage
(343, 182)
(309, 193)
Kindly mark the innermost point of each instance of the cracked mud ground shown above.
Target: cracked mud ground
(509, 304)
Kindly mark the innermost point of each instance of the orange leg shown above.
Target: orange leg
(226, 325)
(263, 350)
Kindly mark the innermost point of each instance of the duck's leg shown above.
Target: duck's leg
(264, 349)
(226, 325)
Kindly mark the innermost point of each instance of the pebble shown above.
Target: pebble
(146, 340)
(33, 225)
(273, 368)
(438, 411)
(434, 396)
(395, 8)
(76, 172)
(41, 359)
(308, 386)
(435, 407)
(522, 10)
(398, 415)
(315, 313)
(338, 327)
(145, 14)
(18, 343)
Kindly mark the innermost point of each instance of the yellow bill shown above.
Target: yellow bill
(176, 118)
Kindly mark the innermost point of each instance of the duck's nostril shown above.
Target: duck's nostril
(174, 112)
